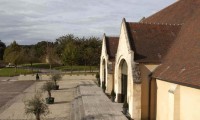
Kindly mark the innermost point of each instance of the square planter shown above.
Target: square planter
(50, 100)
(56, 87)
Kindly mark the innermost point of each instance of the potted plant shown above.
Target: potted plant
(103, 87)
(55, 78)
(125, 106)
(36, 106)
(98, 78)
(48, 86)
(113, 95)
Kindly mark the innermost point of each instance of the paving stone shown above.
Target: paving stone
(96, 104)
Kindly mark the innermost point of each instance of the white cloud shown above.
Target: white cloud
(29, 21)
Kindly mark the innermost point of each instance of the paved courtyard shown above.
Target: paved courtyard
(77, 99)
(10, 89)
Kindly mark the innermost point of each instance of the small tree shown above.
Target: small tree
(48, 86)
(55, 78)
(36, 106)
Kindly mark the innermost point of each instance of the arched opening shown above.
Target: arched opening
(123, 81)
(104, 75)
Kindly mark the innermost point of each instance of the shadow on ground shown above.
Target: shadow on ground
(62, 102)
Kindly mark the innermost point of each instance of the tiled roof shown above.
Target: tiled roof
(182, 62)
(111, 45)
(150, 42)
(177, 13)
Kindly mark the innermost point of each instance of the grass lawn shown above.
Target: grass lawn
(40, 65)
(76, 68)
(62, 68)
(7, 72)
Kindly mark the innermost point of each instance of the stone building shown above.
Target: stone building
(142, 46)
(109, 48)
(176, 82)
(157, 64)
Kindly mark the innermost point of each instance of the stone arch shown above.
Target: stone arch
(103, 73)
(122, 81)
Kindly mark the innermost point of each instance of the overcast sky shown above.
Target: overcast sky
(30, 21)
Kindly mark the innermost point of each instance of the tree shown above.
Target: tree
(61, 43)
(48, 86)
(36, 106)
(14, 54)
(51, 56)
(70, 54)
(92, 51)
(80, 51)
(30, 56)
(55, 78)
(40, 49)
(2, 49)
(89, 56)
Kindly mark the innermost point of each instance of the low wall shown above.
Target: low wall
(64, 77)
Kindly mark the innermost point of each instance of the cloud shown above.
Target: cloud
(30, 21)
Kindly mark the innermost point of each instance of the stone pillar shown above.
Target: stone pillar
(109, 83)
(174, 103)
(136, 102)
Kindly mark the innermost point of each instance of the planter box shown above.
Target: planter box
(125, 111)
(113, 98)
(56, 87)
(50, 100)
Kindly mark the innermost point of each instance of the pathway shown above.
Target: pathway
(92, 104)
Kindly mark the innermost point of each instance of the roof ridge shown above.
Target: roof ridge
(112, 36)
(149, 23)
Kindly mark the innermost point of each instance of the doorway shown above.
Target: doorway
(123, 81)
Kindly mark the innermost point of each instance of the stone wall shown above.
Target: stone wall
(177, 102)
(109, 83)
(64, 77)
(124, 53)
(103, 62)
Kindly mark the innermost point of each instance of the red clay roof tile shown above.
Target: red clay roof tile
(111, 45)
(182, 62)
(150, 42)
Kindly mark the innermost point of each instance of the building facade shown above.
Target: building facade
(109, 47)
(157, 64)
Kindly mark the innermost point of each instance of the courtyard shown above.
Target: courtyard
(75, 100)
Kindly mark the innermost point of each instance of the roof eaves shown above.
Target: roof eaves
(176, 82)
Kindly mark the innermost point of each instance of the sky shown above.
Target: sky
(31, 21)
